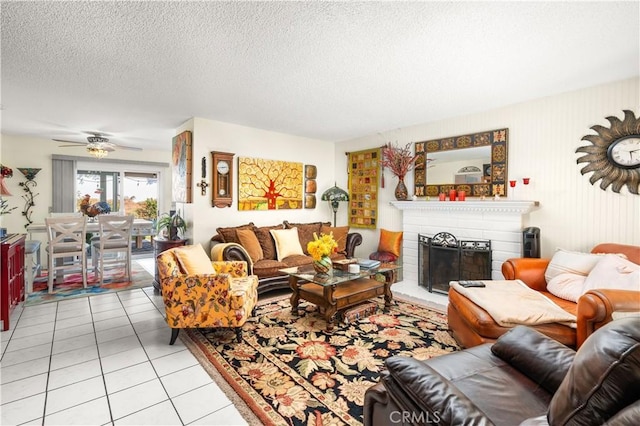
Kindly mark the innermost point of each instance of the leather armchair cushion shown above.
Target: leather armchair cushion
(430, 391)
(541, 359)
(496, 389)
(604, 377)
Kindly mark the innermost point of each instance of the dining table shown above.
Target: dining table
(141, 228)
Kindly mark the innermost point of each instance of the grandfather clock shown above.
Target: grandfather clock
(222, 194)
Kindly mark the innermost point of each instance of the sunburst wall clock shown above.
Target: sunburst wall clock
(614, 154)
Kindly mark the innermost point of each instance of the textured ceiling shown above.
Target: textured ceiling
(327, 70)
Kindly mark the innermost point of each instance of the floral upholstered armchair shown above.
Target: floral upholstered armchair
(199, 293)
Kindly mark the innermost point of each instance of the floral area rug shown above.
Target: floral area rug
(114, 280)
(289, 371)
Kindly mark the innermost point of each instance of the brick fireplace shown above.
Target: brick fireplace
(499, 221)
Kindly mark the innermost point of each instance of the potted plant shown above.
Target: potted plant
(171, 226)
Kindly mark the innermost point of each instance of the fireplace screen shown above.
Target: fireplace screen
(443, 258)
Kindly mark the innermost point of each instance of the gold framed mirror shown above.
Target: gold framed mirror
(475, 163)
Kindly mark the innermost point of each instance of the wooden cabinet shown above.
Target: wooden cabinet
(12, 275)
(160, 245)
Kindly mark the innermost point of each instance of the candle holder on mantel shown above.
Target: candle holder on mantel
(30, 174)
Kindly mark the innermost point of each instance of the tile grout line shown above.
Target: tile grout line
(170, 399)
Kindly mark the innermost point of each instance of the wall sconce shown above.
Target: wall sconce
(334, 195)
(203, 183)
(30, 174)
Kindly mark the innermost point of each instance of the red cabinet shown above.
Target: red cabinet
(12, 275)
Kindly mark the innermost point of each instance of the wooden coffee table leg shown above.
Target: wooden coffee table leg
(295, 294)
(329, 316)
(388, 296)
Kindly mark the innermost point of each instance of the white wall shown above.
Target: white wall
(18, 151)
(543, 137)
(209, 135)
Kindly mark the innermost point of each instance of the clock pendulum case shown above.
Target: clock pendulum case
(222, 194)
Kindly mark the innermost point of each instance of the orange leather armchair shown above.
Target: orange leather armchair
(472, 325)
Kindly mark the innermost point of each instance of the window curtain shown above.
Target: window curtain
(64, 175)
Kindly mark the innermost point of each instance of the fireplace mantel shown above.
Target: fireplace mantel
(490, 206)
(500, 221)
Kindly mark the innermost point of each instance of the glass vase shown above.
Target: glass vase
(324, 266)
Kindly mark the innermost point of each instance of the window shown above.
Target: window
(128, 192)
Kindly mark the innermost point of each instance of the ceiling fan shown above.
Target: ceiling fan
(97, 145)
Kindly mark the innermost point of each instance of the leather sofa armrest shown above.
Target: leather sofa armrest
(416, 388)
(528, 270)
(354, 239)
(540, 358)
(596, 306)
(231, 251)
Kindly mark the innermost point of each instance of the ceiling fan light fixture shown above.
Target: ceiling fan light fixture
(97, 152)
(97, 139)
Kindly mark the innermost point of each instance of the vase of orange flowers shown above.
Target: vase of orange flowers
(400, 161)
(321, 250)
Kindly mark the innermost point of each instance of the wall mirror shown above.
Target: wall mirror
(474, 163)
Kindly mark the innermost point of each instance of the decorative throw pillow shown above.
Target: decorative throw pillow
(250, 242)
(287, 242)
(339, 234)
(266, 240)
(228, 234)
(194, 260)
(612, 271)
(567, 286)
(390, 241)
(573, 262)
(305, 232)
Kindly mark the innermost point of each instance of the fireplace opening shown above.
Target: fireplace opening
(443, 258)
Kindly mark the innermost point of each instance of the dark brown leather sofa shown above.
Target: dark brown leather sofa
(472, 325)
(524, 376)
(268, 269)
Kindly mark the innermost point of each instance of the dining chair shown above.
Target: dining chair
(64, 214)
(115, 238)
(66, 242)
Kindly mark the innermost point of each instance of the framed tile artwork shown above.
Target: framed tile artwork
(310, 186)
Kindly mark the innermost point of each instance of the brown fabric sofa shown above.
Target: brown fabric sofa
(472, 325)
(523, 378)
(267, 267)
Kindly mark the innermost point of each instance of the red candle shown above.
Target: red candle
(512, 183)
(452, 195)
(441, 196)
(462, 195)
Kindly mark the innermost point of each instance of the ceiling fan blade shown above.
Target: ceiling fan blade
(132, 148)
(66, 141)
(70, 146)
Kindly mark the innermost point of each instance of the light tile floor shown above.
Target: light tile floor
(106, 360)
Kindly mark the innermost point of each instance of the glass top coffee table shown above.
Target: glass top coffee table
(340, 290)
